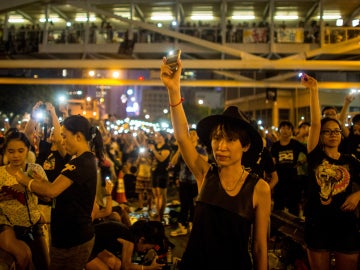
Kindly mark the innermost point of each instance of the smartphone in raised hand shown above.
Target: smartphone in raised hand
(172, 58)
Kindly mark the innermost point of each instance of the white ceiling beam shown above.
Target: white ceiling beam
(337, 48)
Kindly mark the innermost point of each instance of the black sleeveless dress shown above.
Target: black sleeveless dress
(220, 238)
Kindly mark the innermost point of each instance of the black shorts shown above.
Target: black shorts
(340, 235)
(160, 180)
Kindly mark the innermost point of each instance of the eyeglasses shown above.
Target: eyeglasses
(329, 132)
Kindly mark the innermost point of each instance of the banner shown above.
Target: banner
(290, 35)
(255, 35)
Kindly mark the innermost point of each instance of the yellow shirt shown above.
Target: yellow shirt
(15, 210)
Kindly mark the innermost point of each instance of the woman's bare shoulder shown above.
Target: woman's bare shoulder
(262, 188)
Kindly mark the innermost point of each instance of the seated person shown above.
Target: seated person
(109, 212)
(115, 245)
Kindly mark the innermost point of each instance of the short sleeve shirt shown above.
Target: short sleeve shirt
(331, 182)
(71, 222)
(16, 211)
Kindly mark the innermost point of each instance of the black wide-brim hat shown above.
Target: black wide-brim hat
(232, 115)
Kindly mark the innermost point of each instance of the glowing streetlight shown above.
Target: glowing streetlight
(201, 102)
(116, 74)
(62, 99)
(130, 92)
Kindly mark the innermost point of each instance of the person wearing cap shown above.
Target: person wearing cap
(230, 199)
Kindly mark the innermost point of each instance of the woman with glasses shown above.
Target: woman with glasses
(331, 224)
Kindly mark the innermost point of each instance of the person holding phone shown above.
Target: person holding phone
(73, 192)
(172, 59)
(231, 200)
(330, 221)
(21, 219)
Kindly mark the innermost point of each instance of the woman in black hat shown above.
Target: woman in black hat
(230, 199)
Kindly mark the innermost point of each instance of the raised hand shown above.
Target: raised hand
(308, 81)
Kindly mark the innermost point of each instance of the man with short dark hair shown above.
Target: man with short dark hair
(329, 111)
(286, 152)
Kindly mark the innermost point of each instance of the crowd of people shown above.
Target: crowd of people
(63, 178)
(26, 38)
(317, 177)
(59, 178)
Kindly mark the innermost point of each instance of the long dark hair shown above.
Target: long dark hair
(78, 123)
(16, 135)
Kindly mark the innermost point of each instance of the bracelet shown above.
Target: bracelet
(29, 185)
(181, 101)
(107, 194)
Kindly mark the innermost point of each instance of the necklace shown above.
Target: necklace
(229, 188)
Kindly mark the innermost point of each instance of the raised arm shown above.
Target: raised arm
(56, 131)
(175, 158)
(342, 116)
(30, 127)
(315, 114)
(171, 80)
(107, 210)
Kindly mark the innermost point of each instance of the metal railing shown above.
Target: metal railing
(25, 40)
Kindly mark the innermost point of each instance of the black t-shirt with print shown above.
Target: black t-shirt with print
(71, 222)
(286, 158)
(330, 183)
